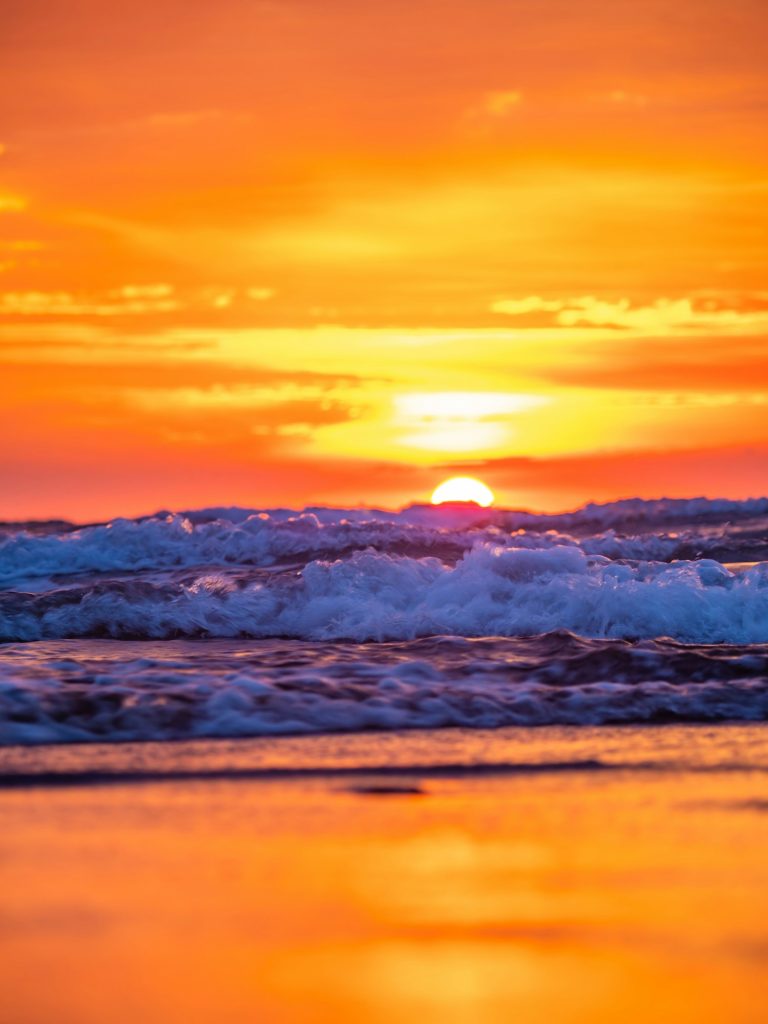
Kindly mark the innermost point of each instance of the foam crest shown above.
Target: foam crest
(249, 537)
(493, 590)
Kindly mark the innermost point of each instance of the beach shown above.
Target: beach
(556, 874)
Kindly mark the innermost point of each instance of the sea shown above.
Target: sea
(235, 622)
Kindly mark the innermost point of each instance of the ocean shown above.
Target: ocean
(232, 622)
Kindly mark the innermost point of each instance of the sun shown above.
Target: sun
(463, 488)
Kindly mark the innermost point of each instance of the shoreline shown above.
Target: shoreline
(558, 896)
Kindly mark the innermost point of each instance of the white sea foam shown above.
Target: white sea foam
(60, 692)
(263, 538)
(492, 590)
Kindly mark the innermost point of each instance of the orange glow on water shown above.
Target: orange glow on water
(308, 903)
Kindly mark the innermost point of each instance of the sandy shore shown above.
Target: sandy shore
(586, 875)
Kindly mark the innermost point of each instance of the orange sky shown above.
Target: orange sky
(294, 251)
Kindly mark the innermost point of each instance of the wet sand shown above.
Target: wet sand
(558, 875)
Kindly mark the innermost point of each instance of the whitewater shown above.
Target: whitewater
(247, 622)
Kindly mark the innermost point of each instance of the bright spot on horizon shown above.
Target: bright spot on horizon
(463, 488)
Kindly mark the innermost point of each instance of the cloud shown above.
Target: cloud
(126, 301)
(247, 414)
(688, 314)
(460, 421)
(701, 364)
(230, 397)
(500, 102)
(166, 374)
(692, 346)
(660, 317)
(490, 110)
(464, 405)
(10, 203)
(530, 304)
(571, 480)
(143, 291)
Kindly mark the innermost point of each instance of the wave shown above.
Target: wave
(491, 590)
(100, 690)
(226, 537)
(351, 619)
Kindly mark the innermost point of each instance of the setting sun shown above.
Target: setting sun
(463, 488)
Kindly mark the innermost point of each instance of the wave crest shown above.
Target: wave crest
(492, 589)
